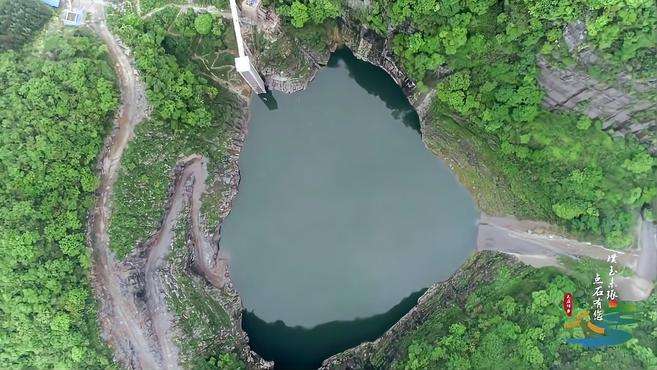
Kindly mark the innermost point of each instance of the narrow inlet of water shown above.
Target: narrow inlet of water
(342, 216)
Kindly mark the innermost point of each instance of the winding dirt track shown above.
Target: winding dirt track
(133, 312)
(125, 326)
(119, 313)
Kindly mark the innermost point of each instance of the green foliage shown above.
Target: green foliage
(20, 20)
(302, 11)
(224, 361)
(54, 110)
(321, 10)
(190, 116)
(299, 14)
(203, 23)
(512, 320)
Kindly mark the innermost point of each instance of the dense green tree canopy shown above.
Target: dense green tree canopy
(54, 108)
(591, 182)
(19, 20)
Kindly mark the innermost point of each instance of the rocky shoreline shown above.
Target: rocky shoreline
(366, 45)
(480, 269)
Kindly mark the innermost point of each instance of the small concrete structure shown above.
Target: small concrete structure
(242, 62)
(73, 17)
(252, 10)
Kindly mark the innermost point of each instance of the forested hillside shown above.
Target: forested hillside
(497, 313)
(20, 20)
(481, 58)
(55, 106)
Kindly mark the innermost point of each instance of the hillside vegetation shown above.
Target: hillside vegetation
(191, 115)
(55, 106)
(557, 166)
(497, 313)
(20, 20)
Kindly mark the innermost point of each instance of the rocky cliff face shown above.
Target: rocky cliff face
(621, 112)
(481, 269)
(629, 107)
(363, 42)
(626, 107)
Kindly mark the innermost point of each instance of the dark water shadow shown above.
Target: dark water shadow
(377, 82)
(300, 348)
(269, 100)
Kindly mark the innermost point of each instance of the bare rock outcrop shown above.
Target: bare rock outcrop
(625, 107)
(621, 112)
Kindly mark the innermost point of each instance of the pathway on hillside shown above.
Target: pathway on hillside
(126, 327)
(133, 312)
(119, 314)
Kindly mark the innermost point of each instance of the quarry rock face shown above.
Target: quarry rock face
(621, 112)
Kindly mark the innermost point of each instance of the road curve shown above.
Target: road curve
(119, 313)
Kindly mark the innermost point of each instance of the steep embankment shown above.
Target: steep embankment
(496, 312)
(135, 292)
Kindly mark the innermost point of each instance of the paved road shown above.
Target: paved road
(537, 244)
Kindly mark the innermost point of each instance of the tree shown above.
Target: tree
(203, 23)
(299, 14)
(321, 10)
(639, 164)
(20, 20)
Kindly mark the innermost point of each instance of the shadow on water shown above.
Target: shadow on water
(269, 100)
(377, 82)
(301, 348)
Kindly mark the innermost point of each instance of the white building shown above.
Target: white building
(73, 17)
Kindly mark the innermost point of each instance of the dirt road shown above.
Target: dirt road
(537, 244)
(118, 313)
(125, 326)
(133, 312)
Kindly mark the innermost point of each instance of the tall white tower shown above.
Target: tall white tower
(242, 62)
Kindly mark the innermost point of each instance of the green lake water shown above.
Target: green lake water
(342, 217)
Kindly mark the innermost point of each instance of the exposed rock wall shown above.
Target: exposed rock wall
(481, 269)
(370, 47)
(620, 111)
